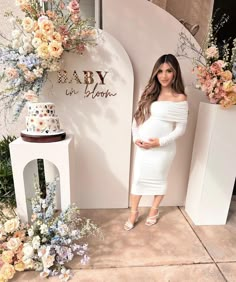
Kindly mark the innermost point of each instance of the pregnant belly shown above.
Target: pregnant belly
(153, 128)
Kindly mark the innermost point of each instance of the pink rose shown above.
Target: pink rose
(73, 7)
(220, 63)
(215, 68)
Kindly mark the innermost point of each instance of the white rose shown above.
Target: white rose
(16, 33)
(27, 47)
(16, 44)
(42, 251)
(55, 66)
(36, 242)
(11, 225)
(38, 72)
(22, 51)
(27, 38)
(43, 229)
(36, 42)
(47, 260)
(29, 263)
(12, 20)
(31, 232)
(63, 229)
(13, 244)
(28, 250)
(212, 52)
(44, 273)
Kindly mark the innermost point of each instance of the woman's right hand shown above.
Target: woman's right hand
(139, 143)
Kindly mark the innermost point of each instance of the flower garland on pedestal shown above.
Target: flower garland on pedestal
(46, 244)
(216, 69)
(48, 29)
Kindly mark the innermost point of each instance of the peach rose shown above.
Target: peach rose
(8, 271)
(19, 234)
(7, 256)
(20, 266)
(41, 36)
(11, 225)
(12, 73)
(56, 36)
(2, 279)
(43, 51)
(13, 244)
(28, 24)
(51, 14)
(55, 49)
(46, 27)
(31, 96)
(228, 86)
(226, 75)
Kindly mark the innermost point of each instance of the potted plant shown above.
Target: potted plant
(7, 192)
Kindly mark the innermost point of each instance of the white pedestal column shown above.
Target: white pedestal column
(213, 166)
(59, 153)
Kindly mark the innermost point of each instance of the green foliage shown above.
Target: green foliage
(7, 192)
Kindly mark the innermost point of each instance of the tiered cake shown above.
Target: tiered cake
(42, 125)
(41, 119)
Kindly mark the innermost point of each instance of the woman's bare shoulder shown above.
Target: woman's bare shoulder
(181, 97)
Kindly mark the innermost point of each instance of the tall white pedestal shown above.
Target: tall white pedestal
(213, 166)
(23, 159)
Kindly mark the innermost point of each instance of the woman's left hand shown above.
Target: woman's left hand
(152, 143)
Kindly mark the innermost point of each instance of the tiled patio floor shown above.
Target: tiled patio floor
(174, 250)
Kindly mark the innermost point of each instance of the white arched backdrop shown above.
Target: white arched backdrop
(94, 98)
(146, 31)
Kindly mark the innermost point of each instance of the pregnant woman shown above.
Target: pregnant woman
(160, 118)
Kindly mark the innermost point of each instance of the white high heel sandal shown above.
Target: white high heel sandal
(129, 225)
(151, 220)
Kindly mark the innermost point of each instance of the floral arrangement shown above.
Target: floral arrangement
(46, 244)
(37, 43)
(215, 68)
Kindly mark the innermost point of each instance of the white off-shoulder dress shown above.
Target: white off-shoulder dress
(167, 122)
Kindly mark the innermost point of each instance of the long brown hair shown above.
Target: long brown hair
(153, 88)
